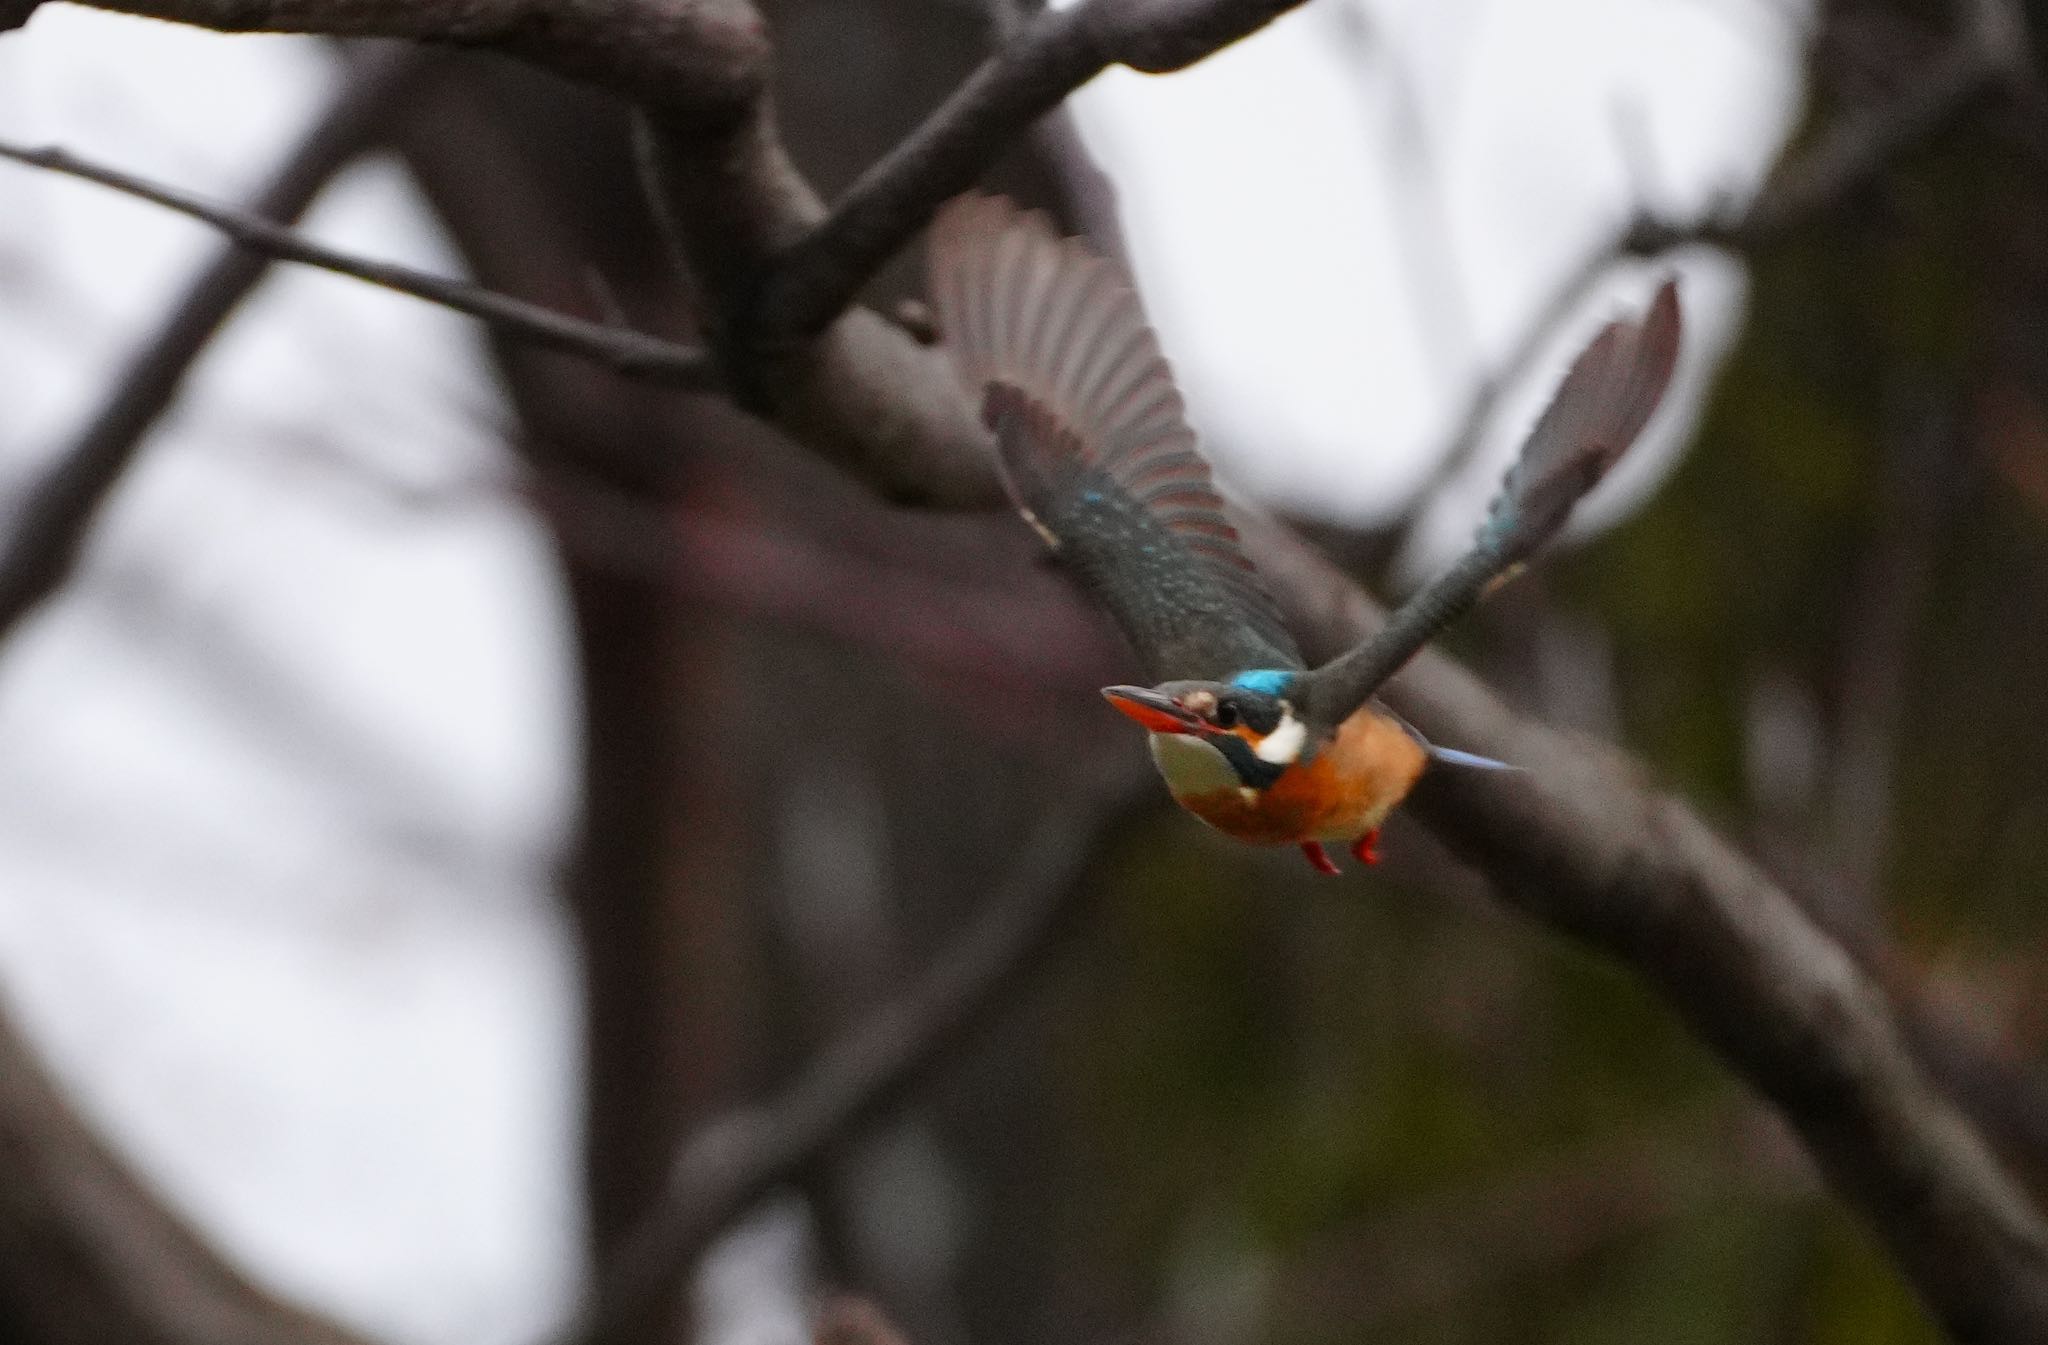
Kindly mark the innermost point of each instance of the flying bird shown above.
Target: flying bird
(1097, 455)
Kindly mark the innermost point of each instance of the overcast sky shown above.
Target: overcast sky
(1341, 225)
(282, 777)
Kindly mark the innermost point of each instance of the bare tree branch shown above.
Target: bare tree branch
(1049, 56)
(1469, 1245)
(722, 1171)
(1986, 56)
(1091, 197)
(1579, 840)
(750, 215)
(793, 268)
(633, 354)
(700, 68)
(854, 1321)
(863, 393)
(89, 1254)
(52, 522)
(703, 58)
(1466, 437)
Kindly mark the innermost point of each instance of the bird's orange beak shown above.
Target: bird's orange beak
(1161, 714)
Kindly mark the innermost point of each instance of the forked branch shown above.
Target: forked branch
(1579, 841)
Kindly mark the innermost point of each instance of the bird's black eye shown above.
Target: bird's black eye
(1226, 716)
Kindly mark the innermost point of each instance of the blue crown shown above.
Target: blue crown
(1265, 681)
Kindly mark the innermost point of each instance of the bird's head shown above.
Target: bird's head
(1248, 720)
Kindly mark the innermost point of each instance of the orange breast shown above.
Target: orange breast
(1346, 791)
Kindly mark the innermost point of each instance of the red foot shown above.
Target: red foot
(1366, 849)
(1318, 859)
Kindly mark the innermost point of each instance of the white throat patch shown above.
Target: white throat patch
(1282, 747)
(1191, 767)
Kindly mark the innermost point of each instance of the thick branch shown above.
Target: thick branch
(1643, 877)
(704, 58)
(88, 1254)
(1049, 57)
(864, 394)
(1580, 841)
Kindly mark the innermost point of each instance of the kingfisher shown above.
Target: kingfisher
(1096, 453)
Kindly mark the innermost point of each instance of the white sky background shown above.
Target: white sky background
(283, 775)
(1333, 261)
(281, 778)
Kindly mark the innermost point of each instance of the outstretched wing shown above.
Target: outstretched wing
(1094, 446)
(1599, 409)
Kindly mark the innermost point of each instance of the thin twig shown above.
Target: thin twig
(1987, 56)
(633, 354)
(1439, 299)
(1461, 449)
(1847, 158)
(1469, 1245)
(855, 1321)
(52, 523)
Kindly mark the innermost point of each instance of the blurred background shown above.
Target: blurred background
(453, 774)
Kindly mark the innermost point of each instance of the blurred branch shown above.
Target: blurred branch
(1471, 1244)
(995, 636)
(2005, 1094)
(633, 354)
(50, 527)
(1987, 55)
(1885, 606)
(703, 58)
(1462, 447)
(705, 61)
(880, 211)
(854, 1321)
(1046, 57)
(89, 1254)
(731, 1164)
(1583, 843)
(1432, 273)
(1579, 840)
(774, 266)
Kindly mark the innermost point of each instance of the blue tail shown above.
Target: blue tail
(1451, 756)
